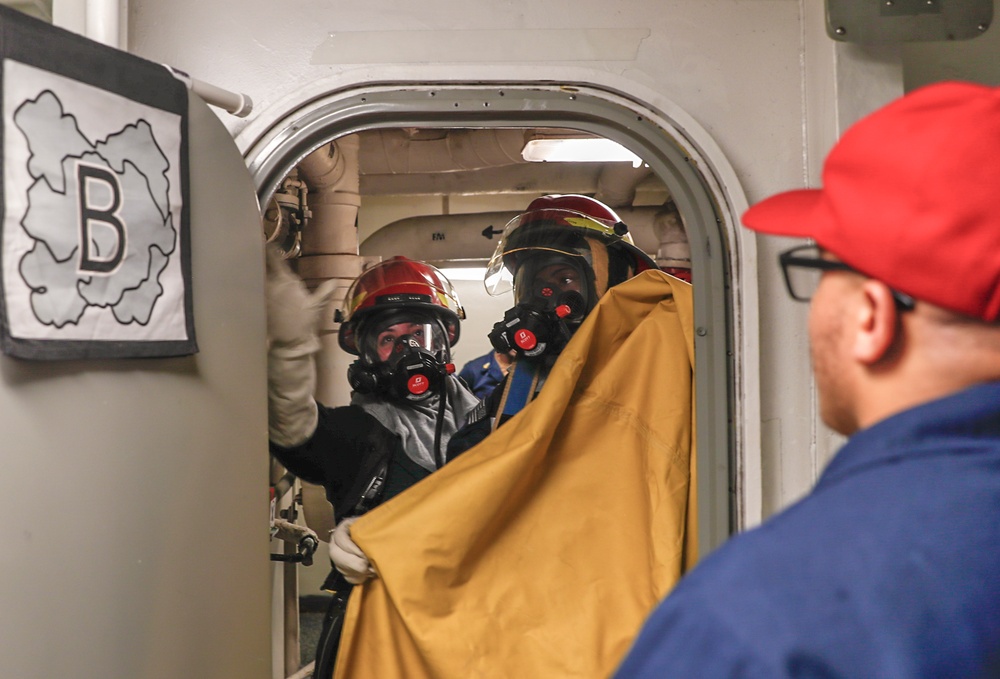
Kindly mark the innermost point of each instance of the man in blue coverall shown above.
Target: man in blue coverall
(483, 373)
(890, 567)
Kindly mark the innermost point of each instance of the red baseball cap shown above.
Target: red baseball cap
(911, 197)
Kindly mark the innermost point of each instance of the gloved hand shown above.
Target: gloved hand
(347, 557)
(293, 314)
(293, 319)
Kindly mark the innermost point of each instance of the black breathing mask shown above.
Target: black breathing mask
(415, 368)
(550, 305)
(540, 326)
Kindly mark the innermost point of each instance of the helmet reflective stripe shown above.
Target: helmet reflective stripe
(599, 257)
(609, 231)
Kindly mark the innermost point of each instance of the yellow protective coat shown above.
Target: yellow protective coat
(539, 553)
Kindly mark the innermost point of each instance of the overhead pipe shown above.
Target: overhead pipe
(616, 188)
(450, 238)
(468, 238)
(399, 151)
(414, 151)
(525, 178)
(617, 183)
(447, 158)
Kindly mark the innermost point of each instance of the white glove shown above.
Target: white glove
(347, 557)
(293, 319)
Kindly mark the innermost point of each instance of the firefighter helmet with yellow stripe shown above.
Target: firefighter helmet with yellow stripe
(399, 284)
(574, 225)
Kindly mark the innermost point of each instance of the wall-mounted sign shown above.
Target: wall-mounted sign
(94, 229)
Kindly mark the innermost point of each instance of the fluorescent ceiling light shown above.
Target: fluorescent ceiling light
(577, 151)
(464, 273)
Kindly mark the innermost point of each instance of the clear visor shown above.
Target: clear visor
(552, 231)
(385, 340)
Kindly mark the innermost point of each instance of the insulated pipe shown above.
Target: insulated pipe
(330, 250)
(674, 251)
(332, 175)
(528, 178)
(462, 237)
(477, 161)
(402, 152)
(441, 238)
(617, 184)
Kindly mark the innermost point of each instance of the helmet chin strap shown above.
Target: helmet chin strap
(599, 263)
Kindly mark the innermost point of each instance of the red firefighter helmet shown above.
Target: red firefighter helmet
(574, 225)
(399, 284)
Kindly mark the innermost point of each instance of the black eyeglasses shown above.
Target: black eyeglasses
(803, 266)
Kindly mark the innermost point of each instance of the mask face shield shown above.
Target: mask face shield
(389, 337)
(544, 279)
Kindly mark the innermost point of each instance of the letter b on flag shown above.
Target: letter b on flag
(102, 236)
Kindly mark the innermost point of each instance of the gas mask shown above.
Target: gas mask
(404, 356)
(551, 303)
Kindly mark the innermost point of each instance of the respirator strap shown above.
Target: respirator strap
(522, 383)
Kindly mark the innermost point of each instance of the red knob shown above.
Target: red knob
(525, 339)
(418, 384)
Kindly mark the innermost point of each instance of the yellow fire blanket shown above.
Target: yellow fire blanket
(539, 553)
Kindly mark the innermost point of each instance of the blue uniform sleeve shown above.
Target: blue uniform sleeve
(468, 374)
(682, 639)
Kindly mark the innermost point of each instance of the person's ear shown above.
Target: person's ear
(876, 322)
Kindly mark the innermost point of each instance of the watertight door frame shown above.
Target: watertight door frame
(703, 187)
